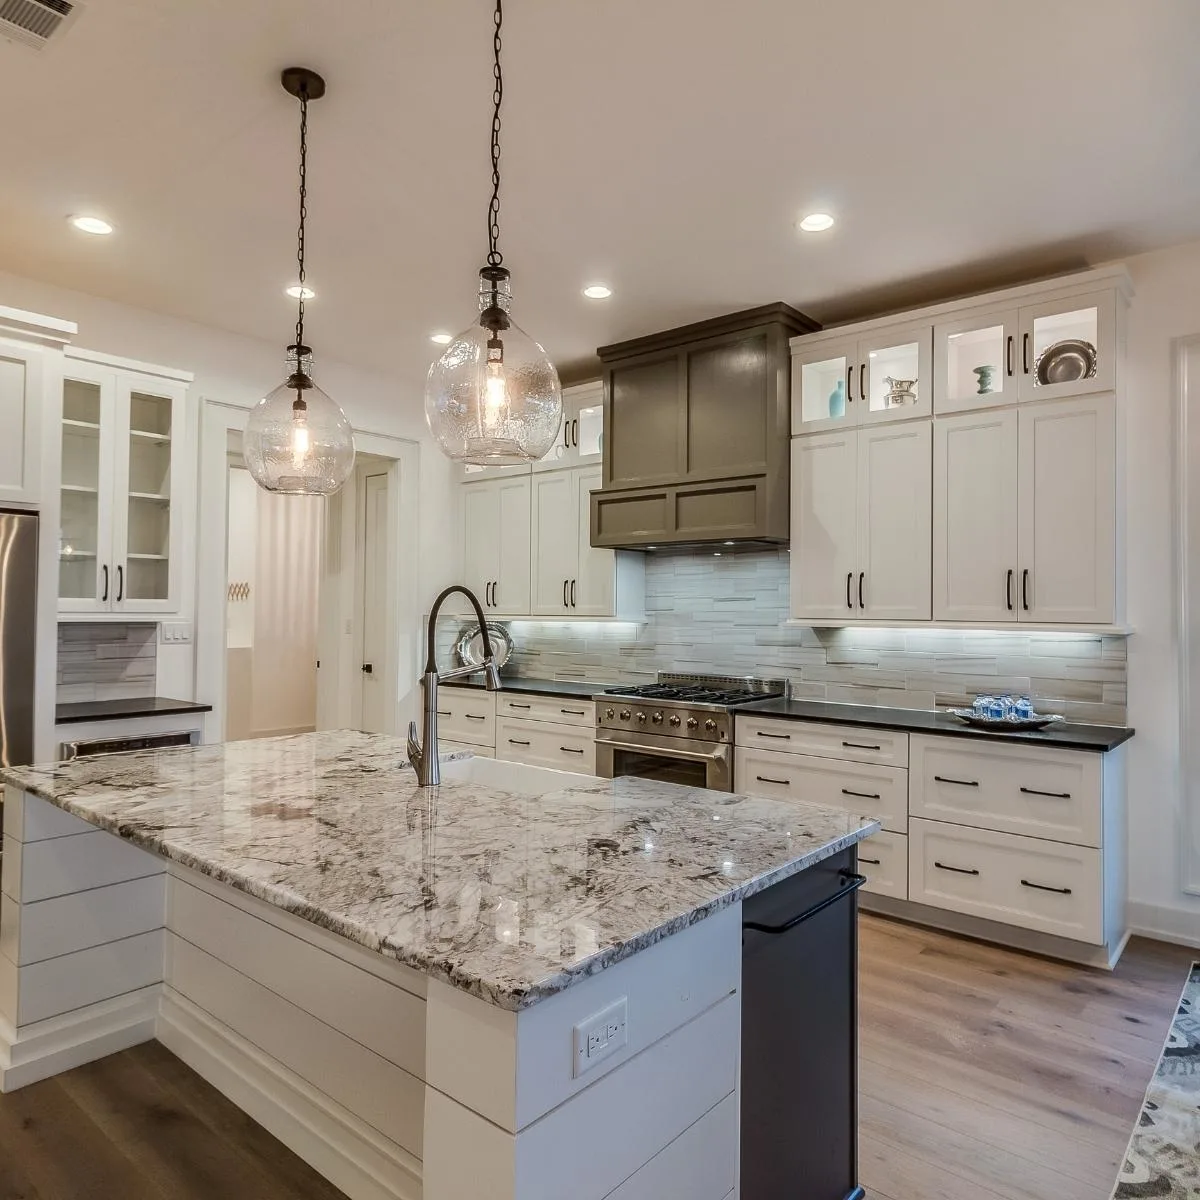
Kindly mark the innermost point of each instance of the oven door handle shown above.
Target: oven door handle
(720, 754)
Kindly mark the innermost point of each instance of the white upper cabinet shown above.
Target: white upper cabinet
(1066, 505)
(555, 541)
(23, 384)
(975, 517)
(884, 375)
(496, 543)
(121, 488)
(602, 573)
(894, 520)
(581, 438)
(861, 512)
(976, 360)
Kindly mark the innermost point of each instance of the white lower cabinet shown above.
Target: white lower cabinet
(541, 744)
(1051, 887)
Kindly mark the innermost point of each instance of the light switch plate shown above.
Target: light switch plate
(175, 632)
(600, 1036)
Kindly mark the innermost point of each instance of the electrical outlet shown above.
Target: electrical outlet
(600, 1036)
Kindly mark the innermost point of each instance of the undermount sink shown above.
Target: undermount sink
(511, 776)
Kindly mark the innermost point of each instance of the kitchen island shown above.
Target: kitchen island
(521, 984)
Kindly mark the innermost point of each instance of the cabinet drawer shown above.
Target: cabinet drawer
(563, 747)
(861, 788)
(883, 859)
(1029, 790)
(558, 709)
(853, 742)
(1048, 886)
(466, 716)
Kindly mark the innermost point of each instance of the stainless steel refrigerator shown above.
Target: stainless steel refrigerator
(18, 634)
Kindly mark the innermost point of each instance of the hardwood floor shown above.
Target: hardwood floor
(985, 1074)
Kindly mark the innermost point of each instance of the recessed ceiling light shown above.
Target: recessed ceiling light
(597, 291)
(87, 224)
(442, 339)
(300, 293)
(815, 223)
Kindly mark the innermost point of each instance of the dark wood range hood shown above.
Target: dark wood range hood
(696, 434)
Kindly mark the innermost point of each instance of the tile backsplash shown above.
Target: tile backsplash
(103, 661)
(724, 615)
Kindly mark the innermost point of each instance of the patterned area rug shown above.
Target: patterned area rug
(1163, 1159)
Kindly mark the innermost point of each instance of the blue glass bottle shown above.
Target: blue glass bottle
(837, 400)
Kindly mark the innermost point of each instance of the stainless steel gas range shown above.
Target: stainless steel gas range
(679, 729)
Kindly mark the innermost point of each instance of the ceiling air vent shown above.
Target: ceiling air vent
(34, 22)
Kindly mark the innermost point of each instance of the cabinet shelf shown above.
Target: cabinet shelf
(80, 489)
(81, 428)
(149, 436)
(76, 555)
(147, 557)
(156, 497)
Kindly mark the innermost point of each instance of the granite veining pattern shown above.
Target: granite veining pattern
(507, 896)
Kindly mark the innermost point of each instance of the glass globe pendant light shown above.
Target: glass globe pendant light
(297, 440)
(493, 398)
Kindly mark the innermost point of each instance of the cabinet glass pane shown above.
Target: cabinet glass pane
(892, 376)
(1065, 346)
(591, 430)
(823, 389)
(79, 521)
(975, 363)
(149, 516)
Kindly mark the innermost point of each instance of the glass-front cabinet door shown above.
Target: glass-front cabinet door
(581, 437)
(976, 360)
(824, 378)
(85, 569)
(145, 477)
(1068, 347)
(895, 374)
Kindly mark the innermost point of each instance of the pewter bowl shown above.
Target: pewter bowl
(1066, 361)
(470, 646)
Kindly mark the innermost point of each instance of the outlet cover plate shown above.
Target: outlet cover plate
(600, 1036)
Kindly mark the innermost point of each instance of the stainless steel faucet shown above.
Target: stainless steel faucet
(424, 754)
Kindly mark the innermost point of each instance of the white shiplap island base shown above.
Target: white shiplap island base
(389, 978)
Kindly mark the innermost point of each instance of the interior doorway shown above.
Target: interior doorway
(372, 554)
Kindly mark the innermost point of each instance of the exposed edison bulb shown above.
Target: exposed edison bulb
(301, 446)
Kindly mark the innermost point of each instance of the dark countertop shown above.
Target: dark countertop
(117, 710)
(1100, 738)
(536, 687)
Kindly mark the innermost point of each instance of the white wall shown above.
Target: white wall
(1166, 306)
(240, 370)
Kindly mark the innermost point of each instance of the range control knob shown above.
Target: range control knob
(692, 722)
(657, 718)
(641, 718)
(609, 713)
(674, 720)
(710, 725)
(625, 714)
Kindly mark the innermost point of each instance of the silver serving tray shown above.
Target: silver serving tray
(1005, 724)
(1065, 362)
(470, 646)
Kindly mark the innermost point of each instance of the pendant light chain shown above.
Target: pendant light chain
(495, 258)
(303, 219)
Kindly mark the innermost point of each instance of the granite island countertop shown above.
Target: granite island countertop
(507, 896)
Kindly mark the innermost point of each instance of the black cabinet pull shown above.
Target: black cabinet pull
(768, 779)
(368, 669)
(941, 866)
(1025, 352)
(849, 594)
(1025, 589)
(860, 795)
(573, 605)
(571, 712)
(1008, 363)
(851, 882)
(474, 717)
(779, 737)
(565, 604)
(1008, 590)
(443, 713)
(862, 374)
(873, 862)
(956, 782)
(1053, 795)
(862, 578)
(516, 742)
(514, 704)
(860, 746)
(850, 383)
(104, 597)
(575, 433)
(120, 584)
(1043, 887)
(566, 435)
(570, 750)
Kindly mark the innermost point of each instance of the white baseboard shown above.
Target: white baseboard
(46, 1048)
(1176, 925)
(345, 1150)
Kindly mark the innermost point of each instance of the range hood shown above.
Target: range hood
(696, 434)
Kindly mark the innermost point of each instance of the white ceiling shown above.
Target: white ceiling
(662, 146)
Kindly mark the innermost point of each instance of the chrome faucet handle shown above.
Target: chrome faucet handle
(415, 753)
(491, 674)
